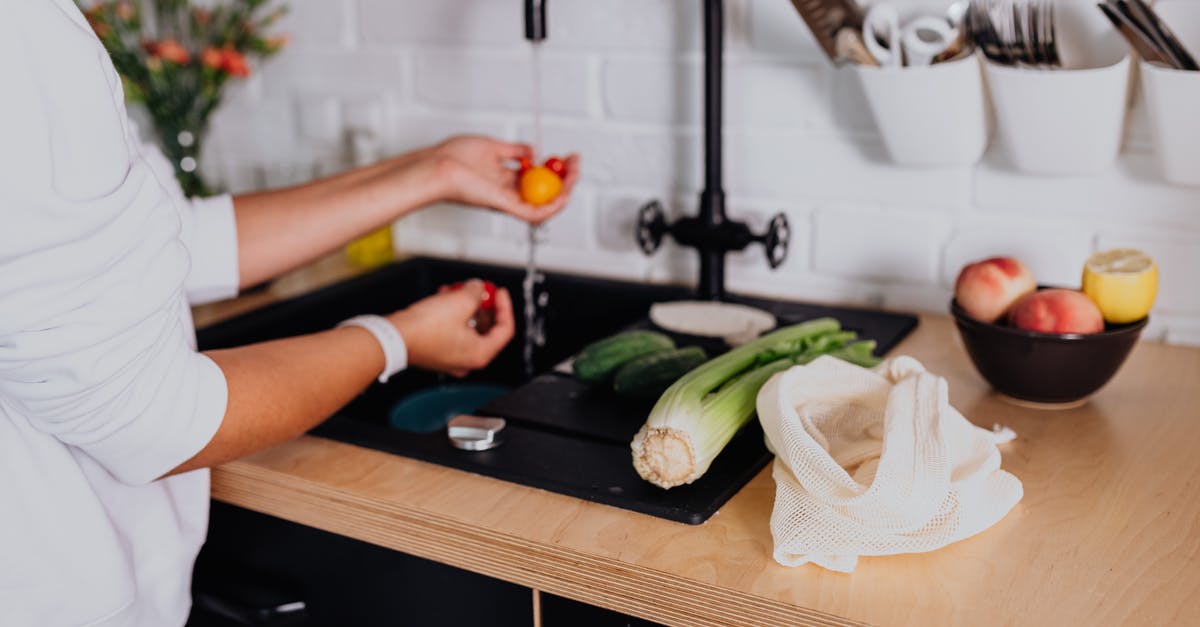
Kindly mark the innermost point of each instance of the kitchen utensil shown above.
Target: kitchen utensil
(826, 18)
(925, 38)
(917, 43)
(881, 32)
(1138, 39)
(1147, 34)
(850, 46)
(1015, 33)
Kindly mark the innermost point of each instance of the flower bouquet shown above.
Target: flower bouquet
(176, 59)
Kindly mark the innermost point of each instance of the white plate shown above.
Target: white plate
(736, 324)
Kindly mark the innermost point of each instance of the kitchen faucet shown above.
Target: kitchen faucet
(709, 232)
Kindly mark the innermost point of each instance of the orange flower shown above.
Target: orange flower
(96, 21)
(202, 16)
(234, 62)
(274, 44)
(170, 50)
(212, 58)
(124, 11)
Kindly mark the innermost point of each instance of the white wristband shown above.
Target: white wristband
(395, 352)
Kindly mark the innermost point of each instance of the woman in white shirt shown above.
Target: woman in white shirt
(108, 415)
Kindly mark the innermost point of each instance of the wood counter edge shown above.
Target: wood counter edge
(604, 582)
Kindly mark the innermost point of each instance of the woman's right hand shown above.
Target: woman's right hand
(438, 336)
(475, 170)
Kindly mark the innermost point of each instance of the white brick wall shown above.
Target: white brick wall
(622, 85)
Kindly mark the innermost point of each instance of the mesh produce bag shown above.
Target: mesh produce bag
(876, 462)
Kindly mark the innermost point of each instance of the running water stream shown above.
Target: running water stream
(535, 300)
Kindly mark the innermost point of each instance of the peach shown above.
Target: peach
(1057, 311)
(987, 289)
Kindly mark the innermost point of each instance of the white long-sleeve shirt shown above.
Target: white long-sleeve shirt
(101, 388)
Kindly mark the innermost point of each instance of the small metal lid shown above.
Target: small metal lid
(475, 433)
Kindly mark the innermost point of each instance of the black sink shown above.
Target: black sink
(561, 436)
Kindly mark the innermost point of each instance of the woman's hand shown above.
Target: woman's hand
(436, 331)
(477, 171)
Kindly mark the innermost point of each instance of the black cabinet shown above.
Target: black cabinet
(259, 570)
(253, 563)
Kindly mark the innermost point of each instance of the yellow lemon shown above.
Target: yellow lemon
(1122, 282)
(540, 185)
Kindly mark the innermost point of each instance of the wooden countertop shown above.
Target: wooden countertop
(1108, 531)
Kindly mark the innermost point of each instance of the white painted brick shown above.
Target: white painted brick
(1183, 332)
(1130, 193)
(462, 222)
(365, 115)
(265, 130)
(837, 169)
(320, 119)
(1178, 262)
(616, 220)
(662, 90)
(916, 298)
(502, 81)
(624, 157)
(623, 24)
(360, 73)
(315, 23)
(854, 242)
(1055, 256)
(405, 22)
(416, 130)
(776, 27)
(571, 228)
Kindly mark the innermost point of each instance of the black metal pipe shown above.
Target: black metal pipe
(713, 43)
(712, 199)
(535, 20)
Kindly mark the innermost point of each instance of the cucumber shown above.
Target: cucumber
(600, 360)
(650, 375)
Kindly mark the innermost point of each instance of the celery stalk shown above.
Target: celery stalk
(701, 412)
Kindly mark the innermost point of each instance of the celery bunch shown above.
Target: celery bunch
(700, 413)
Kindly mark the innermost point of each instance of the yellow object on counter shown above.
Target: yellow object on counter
(1122, 282)
(372, 249)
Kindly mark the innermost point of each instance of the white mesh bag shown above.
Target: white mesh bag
(876, 462)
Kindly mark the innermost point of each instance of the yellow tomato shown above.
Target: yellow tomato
(540, 185)
(1122, 283)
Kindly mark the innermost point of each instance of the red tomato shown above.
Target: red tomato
(557, 166)
(489, 296)
(526, 163)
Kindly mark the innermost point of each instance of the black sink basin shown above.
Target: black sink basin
(561, 436)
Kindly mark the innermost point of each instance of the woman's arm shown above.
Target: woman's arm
(280, 389)
(283, 229)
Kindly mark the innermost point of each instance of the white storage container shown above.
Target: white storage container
(929, 115)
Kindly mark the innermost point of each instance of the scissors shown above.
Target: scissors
(917, 43)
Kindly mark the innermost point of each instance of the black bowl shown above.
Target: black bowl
(1045, 367)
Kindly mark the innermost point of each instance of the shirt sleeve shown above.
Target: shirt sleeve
(96, 343)
(208, 230)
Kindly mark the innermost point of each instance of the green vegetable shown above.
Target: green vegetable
(649, 375)
(700, 413)
(599, 361)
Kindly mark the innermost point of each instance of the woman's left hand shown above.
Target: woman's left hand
(476, 170)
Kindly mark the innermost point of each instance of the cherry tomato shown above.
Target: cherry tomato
(526, 163)
(489, 296)
(557, 166)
